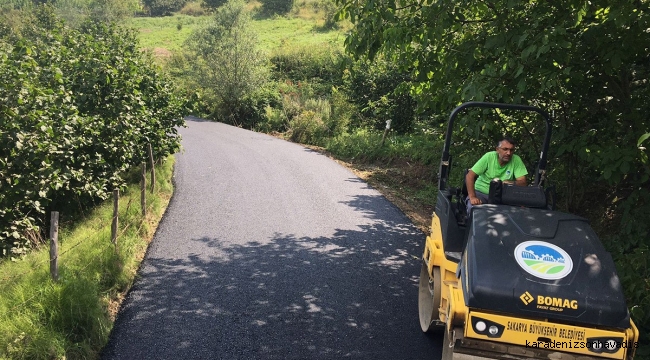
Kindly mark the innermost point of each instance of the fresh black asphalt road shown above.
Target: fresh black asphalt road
(269, 250)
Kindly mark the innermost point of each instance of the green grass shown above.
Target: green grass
(163, 36)
(72, 318)
(275, 34)
(365, 145)
(163, 32)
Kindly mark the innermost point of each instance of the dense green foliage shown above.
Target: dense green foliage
(14, 4)
(277, 6)
(587, 61)
(360, 94)
(77, 110)
(212, 4)
(309, 108)
(374, 86)
(322, 66)
(163, 7)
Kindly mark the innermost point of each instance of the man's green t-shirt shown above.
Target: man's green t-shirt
(488, 168)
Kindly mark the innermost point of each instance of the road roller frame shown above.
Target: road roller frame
(467, 332)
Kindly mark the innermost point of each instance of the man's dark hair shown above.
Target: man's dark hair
(508, 139)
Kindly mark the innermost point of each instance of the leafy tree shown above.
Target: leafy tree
(226, 62)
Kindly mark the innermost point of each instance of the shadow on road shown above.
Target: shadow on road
(353, 294)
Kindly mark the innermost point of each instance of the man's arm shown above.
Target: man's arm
(520, 172)
(521, 181)
(470, 178)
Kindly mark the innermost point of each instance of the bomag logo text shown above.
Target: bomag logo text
(548, 302)
(555, 303)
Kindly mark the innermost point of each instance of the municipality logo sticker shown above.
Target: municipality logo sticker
(543, 260)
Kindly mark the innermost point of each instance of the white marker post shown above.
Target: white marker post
(383, 138)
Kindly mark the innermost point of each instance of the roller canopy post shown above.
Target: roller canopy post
(443, 175)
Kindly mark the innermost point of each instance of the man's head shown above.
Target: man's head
(505, 149)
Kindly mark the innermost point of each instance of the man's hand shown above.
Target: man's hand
(520, 181)
(474, 200)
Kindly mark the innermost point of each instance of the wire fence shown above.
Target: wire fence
(101, 230)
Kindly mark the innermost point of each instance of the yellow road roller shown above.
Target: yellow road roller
(516, 279)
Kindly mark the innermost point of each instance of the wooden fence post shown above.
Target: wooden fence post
(116, 206)
(153, 170)
(54, 245)
(143, 189)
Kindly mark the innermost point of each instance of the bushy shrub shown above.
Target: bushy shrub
(365, 145)
(309, 120)
(77, 109)
(307, 128)
(280, 7)
(250, 110)
(294, 96)
(111, 10)
(10, 20)
(342, 113)
(319, 106)
(193, 9)
(212, 4)
(291, 106)
(357, 144)
(163, 7)
(305, 116)
(15, 5)
(274, 121)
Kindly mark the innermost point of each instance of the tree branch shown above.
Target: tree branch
(465, 22)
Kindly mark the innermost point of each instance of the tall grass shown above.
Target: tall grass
(71, 318)
(366, 146)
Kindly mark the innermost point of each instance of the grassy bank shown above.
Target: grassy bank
(72, 318)
(165, 35)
